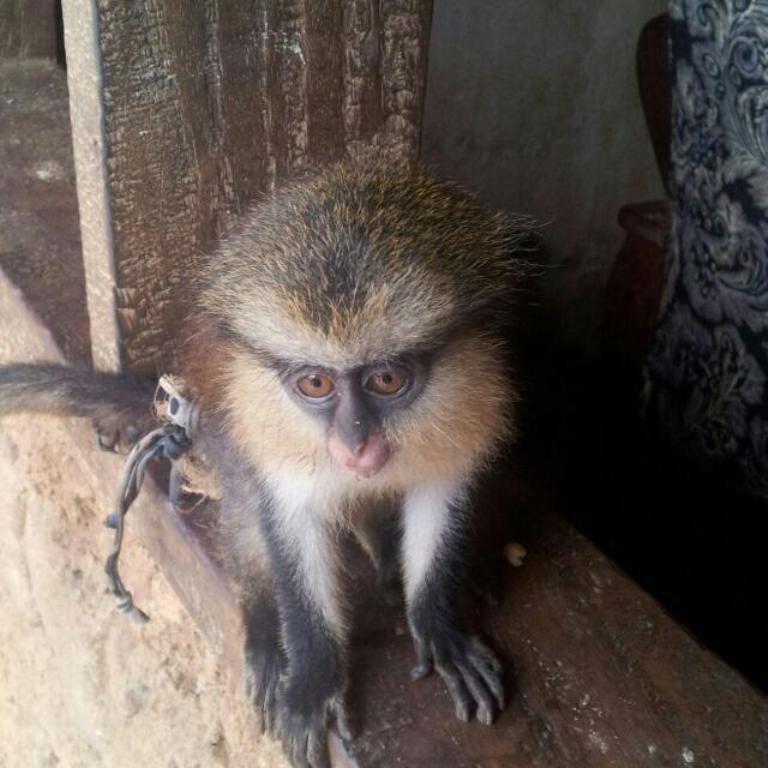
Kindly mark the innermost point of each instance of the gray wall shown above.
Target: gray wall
(535, 105)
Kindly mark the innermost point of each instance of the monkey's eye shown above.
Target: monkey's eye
(315, 385)
(386, 383)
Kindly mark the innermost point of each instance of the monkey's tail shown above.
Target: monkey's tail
(109, 399)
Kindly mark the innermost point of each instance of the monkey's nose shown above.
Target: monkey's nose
(357, 449)
(345, 448)
(365, 458)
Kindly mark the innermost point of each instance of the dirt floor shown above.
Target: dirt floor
(80, 685)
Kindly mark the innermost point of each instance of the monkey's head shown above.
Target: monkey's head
(360, 310)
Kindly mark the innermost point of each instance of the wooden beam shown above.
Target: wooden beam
(86, 113)
(599, 676)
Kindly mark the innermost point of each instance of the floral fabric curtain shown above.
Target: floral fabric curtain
(708, 364)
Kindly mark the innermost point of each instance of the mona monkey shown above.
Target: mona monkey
(348, 354)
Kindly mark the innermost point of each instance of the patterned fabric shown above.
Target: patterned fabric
(708, 364)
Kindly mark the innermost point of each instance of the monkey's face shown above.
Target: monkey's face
(431, 416)
(360, 312)
(355, 404)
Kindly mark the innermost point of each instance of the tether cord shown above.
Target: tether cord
(168, 441)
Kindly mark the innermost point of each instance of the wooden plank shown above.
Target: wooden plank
(324, 75)
(204, 107)
(89, 144)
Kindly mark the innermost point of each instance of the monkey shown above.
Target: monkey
(348, 355)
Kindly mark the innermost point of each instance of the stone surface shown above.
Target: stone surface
(80, 685)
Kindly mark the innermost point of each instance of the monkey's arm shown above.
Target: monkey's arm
(264, 659)
(114, 402)
(436, 549)
(304, 559)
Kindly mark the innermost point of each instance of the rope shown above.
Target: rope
(169, 441)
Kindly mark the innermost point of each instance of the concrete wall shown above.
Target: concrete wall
(535, 105)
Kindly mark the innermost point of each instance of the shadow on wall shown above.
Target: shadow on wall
(536, 106)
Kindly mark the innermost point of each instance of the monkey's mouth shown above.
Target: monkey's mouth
(364, 460)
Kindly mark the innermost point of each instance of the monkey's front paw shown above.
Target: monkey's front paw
(303, 730)
(470, 669)
(263, 668)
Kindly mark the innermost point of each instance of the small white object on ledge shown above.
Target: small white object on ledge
(515, 553)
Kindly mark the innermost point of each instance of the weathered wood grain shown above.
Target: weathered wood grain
(207, 105)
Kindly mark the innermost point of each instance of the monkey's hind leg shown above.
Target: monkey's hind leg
(377, 527)
(436, 564)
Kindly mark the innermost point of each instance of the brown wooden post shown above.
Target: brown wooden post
(185, 113)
